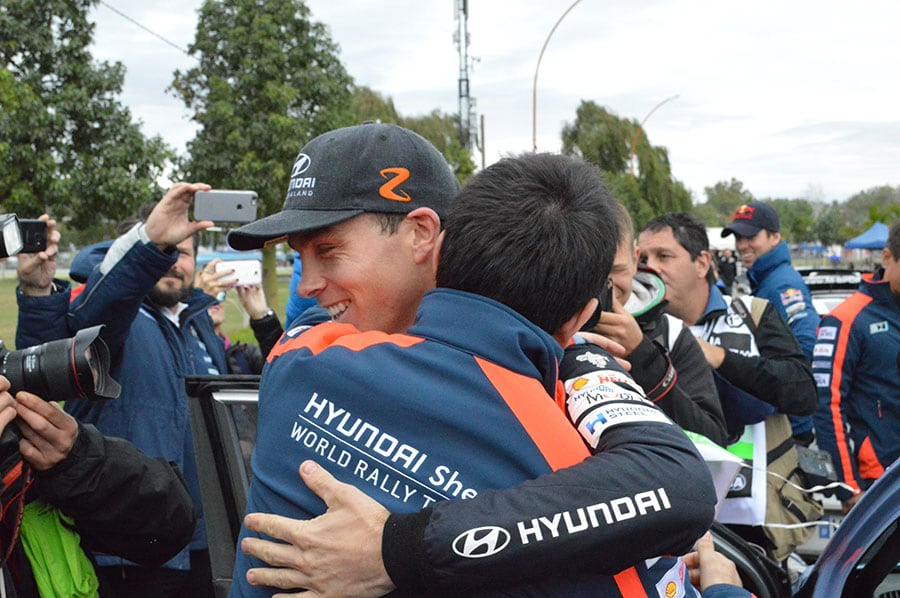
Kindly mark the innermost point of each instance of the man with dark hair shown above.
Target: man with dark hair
(760, 369)
(666, 360)
(757, 238)
(857, 371)
(158, 331)
(772, 368)
(344, 269)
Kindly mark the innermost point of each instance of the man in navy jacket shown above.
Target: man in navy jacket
(157, 330)
(757, 237)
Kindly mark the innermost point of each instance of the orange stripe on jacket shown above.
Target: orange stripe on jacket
(870, 468)
(332, 334)
(552, 433)
(77, 291)
(629, 583)
(846, 312)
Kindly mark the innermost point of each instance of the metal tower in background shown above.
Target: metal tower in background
(468, 134)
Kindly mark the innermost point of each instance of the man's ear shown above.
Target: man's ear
(436, 255)
(704, 263)
(565, 333)
(425, 230)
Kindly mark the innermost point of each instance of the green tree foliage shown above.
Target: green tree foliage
(441, 130)
(877, 201)
(67, 146)
(268, 80)
(368, 104)
(796, 218)
(722, 199)
(827, 227)
(438, 128)
(601, 137)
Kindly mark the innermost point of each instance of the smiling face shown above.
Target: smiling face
(178, 283)
(686, 288)
(752, 248)
(362, 275)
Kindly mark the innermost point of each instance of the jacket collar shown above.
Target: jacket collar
(715, 305)
(484, 327)
(780, 254)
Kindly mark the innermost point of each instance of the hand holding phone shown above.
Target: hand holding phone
(246, 272)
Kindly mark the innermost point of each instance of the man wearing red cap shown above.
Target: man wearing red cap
(766, 256)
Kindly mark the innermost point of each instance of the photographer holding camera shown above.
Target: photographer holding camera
(67, 489)
(76, 491)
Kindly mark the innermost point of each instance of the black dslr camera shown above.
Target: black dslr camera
(71, 368)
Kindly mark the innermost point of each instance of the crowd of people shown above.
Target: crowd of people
(515, 343)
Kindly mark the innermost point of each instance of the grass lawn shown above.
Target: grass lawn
(8, 310)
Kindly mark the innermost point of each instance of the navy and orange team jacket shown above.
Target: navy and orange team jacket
(460, 404)
(856, 364)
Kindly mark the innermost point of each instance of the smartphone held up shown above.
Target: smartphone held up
(225, 205)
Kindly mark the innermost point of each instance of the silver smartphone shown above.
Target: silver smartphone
(225, 205)
(246, 272)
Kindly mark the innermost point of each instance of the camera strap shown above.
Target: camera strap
(16, 483)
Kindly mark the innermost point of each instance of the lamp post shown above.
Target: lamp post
(637, 132)
(534, 87)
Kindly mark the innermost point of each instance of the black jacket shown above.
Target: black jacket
(669, 364)
(122, 502)
(418, 548)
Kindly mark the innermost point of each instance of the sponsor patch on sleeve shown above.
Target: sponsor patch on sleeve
(878, 327)
(822, 380)
(823, 350)
(821, 365)
(795, 308)
(603, 416)
(791, 296)
(600, 400)
(827, 333)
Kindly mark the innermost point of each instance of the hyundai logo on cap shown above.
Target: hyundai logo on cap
(301, 165)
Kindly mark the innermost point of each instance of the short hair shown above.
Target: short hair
(690, 234)
(389, 222)
(893, 240)
(537, 232)
(626, 224)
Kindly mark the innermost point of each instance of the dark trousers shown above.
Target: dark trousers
(121, 581)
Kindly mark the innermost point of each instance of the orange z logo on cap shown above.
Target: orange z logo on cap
(387, 190)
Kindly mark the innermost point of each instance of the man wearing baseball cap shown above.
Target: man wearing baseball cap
(363, 210)
(376, 276)
(757, 237)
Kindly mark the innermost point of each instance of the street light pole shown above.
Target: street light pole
(637, 132)
(534, 86)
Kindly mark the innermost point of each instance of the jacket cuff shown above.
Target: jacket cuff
(265, 324)
(735, 367)
(653, 369)
(402, 550)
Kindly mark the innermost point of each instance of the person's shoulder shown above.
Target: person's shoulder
(317, 339)
(849, 310)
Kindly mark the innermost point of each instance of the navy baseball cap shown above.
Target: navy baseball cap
(751, 218)
(372, 167)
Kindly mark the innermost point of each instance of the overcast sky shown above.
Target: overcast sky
(794, 99)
